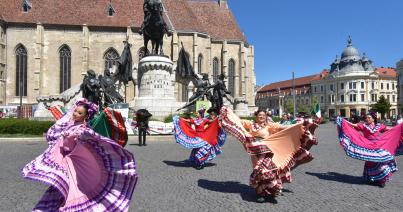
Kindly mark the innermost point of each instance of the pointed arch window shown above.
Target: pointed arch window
(21, 70)
(111, 58)
(65, 68)
(231, 76)
(26, 5)
(185, 93)
(200, 64)
(110, 10)
(216, 69)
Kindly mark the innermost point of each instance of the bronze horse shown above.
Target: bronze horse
(154, 26)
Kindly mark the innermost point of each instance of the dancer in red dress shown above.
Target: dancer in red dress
(205, 138)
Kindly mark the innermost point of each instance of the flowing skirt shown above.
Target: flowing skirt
(379, 155)
(205, 145)
(274, 157)
(93, 173)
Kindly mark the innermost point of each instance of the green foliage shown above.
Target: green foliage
(251, 118)
(324, 121)
(24, 126)
(302, 108)
(382, 106)
(289, 106)
(314, 101)
(276, 118)
(168, 119)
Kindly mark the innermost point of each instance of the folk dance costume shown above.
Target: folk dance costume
(85, 171)
(376, 149)
(274, 149)
(205, 140)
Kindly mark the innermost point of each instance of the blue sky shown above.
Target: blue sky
(305, 36)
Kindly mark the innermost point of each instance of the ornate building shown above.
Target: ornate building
(46, 47)
(399, 70)
(353, 85)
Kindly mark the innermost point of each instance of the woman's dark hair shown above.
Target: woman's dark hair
(86, 108)
(373, 115)
(213, 111)
(259, 111)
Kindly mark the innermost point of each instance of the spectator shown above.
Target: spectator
(399, 119)
(354, 118)
(269, 116)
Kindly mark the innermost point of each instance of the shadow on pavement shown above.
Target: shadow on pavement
(133, 144)
(337, 177)
(184, 163)
(247, 193)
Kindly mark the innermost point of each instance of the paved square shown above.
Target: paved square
(331, 182)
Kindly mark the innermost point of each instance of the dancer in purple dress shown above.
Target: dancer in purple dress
(85, 171)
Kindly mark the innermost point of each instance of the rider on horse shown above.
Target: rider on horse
(148, 6)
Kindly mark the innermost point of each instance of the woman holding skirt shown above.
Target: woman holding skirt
(274, 149)
(85, 171)
(204, 136)
(373, 143)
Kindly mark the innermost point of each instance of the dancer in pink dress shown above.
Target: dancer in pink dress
(376, 149)
(85, 171)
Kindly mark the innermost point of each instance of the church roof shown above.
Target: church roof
(204, 16)
(218, 21)
(75, 12)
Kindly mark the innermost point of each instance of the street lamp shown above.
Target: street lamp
(279, 102)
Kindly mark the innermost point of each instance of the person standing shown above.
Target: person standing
(85, 171)
(399, 119)
(373, 147)
(274, 149)
(269, 116)
(142, 117)
(204, 136)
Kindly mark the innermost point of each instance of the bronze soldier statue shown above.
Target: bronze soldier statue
(91, 87)
(219, 92)
(110, 95)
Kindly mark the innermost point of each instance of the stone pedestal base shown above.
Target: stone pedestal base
(158, 107)
(156, 80)
(241, 107)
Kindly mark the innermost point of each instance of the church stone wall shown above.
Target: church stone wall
(2, 64)
(27, 37)
(88, 46)
(53, 41)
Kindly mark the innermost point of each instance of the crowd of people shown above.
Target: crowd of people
(89, 169)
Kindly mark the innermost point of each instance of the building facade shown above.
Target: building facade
(351, 85)
(354, 84)
(399, 71)
(276, 96)
(45, 48)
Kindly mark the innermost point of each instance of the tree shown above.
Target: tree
(289, 105)
(382, 106)
(301, 107)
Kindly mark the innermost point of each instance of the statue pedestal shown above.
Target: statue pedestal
(241, 107)
(156, 81)
(65, 99)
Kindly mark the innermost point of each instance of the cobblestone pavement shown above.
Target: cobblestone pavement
(331, 182)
